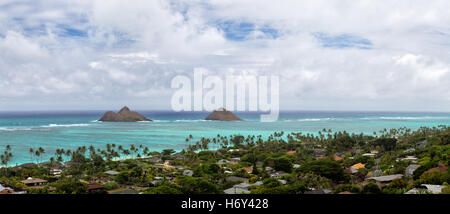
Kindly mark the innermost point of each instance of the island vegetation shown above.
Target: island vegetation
(395, 161)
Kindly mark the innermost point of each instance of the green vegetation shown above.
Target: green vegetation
(283, 163)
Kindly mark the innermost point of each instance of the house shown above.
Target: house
(56, 172)
(242, 188)
(188, 173)
(6, 190)
(95, 188)
(409, 150)
(235, 160)
(111, 173)
(358, 166)
(284, 182)
(236, 190)
(295, 166)
(291, 152)
(409, 171)
(269, 169)
(369, 154)
(435, 189)
(158, 178)
(223, 162)
(163, 166)
(382, 180)
(337, 158)
(318, 191)
(278, 174)
(31, 182)
(408, 158)
(179, 156)
(235, 179)
(422, 143)
(155, 159)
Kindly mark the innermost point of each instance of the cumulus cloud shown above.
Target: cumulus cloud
(346, 55)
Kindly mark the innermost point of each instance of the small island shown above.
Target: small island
(222, 114)
(124, 115)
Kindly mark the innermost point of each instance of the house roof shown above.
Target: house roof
(111, 172)
(337, 158)
(386, 178)
(411, 168)
(2, 188)
(236, 190)
(435, 189)
(358, 166)
(223, 161)
(291, 152)
(33, 181)
(319, 191)
(235, 178)
(188, 172)
(95, 186)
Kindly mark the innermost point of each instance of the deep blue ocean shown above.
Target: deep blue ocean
(68, 130)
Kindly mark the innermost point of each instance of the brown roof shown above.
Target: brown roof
(337, 158)
(94, 186)
(346, 192)
(6, 191)
(33, 180)
(291, 152)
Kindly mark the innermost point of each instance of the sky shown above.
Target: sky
(329, 55)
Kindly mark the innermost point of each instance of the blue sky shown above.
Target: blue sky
(346, 55)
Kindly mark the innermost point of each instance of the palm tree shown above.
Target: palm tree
(6, 156)
(41, 151)
(31, 151)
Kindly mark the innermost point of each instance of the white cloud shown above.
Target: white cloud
(104, 51)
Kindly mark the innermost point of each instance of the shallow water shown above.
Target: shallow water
(68, 130)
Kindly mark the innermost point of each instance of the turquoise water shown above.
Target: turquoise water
(68, 130)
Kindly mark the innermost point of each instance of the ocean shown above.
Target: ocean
(71, 129)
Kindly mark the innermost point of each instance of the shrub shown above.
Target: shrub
(111, 185)
(371, 188)
(324, 167)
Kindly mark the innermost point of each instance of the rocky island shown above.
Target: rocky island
(124, 115)
(222, 114)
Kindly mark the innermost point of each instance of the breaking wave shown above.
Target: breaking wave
(65, 125)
